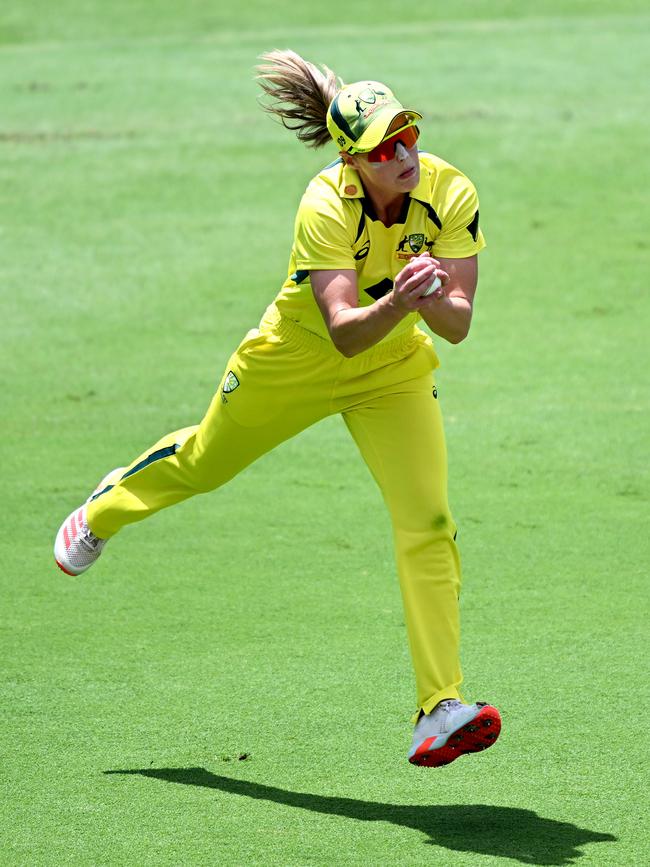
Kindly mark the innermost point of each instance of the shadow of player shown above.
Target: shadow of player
(506, 832)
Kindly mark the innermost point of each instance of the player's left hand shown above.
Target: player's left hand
(426, 263)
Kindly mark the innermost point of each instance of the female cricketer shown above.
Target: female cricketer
(385, 236)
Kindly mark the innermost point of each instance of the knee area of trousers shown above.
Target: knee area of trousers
(438, 528)
(443, 525)
(439, 523)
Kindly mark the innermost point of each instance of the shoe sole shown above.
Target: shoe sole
(63, 569)
(476, 735)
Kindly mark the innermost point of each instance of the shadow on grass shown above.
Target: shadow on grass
(506, 832)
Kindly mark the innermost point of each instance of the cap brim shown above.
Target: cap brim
(381, 124)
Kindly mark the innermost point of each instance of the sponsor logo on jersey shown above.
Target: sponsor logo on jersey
(363, 252)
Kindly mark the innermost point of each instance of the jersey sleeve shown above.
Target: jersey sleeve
(323, 238)
(460, 235)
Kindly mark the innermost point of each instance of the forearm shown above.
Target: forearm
(354, 329)
(448, 317)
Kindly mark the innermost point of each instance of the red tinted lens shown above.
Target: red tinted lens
(385, 151)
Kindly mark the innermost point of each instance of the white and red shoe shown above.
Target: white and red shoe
(76, 548)
(453, 729)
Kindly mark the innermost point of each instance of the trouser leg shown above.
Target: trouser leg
(401, 438)
(268, 401)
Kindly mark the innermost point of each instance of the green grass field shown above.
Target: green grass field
(231, 684)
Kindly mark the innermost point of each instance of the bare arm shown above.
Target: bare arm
(448, 311)
(353, 328)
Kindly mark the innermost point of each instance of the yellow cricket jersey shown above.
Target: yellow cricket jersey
(337, 228)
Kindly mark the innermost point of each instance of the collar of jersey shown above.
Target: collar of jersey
(350, 178)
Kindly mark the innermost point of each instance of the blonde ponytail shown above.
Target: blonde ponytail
(300, 94)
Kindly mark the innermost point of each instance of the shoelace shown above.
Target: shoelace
(89, 539)
(450, 703)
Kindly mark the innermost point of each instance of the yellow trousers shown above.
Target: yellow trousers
(282, 379)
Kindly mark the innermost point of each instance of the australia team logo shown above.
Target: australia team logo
(368, 95)
(230, 383)
(367, 99)
(416, 241)
(411, 245)
(367, 103)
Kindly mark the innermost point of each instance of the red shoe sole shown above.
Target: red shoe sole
(72, 574)
(474, 736)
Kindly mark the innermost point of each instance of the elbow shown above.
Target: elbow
(345, 349)
(457, 335)
(343, 344)
(459, 332)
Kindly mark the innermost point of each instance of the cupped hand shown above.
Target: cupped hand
(415, 279)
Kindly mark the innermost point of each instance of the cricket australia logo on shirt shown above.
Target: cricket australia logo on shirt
(230, 383)
(416, 241)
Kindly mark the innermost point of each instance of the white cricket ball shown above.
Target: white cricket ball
(437, 283)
